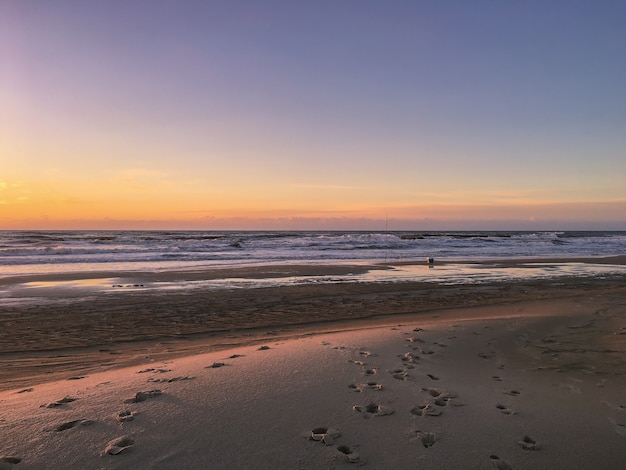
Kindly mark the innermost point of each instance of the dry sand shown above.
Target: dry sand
(527, 375)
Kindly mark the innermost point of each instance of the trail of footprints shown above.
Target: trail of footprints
(121, 444)
(376, 408)
(435, 401)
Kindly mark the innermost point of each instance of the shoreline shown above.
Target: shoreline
(60, 288)
(47, 341)
(283, 269)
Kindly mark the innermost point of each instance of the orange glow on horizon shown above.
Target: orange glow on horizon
(151, 203)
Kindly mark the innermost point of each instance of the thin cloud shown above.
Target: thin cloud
(334, 187)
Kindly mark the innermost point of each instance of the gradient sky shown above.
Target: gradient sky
(312, 114)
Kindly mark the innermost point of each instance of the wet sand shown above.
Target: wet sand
(526, 374)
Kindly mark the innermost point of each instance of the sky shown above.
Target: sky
(345, 114)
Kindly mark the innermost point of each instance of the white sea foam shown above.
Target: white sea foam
(72, 251)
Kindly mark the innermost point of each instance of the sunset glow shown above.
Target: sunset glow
(330, 115)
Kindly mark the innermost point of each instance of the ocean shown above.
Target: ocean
(38, 252)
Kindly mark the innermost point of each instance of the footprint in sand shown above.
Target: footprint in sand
(6, 463)
(350, 455)
(499, 464)
(263, 348)
(72, 424)
(26, 390)
(143, 396)
(513, 393)
(528, 443)
(409, 357)
(373, 409)
(358, 363)
(496, 378)
(439, 393)
(173, 379)
(427, 439)
(367, 353)
(152, 369)
(61, 402)
(235, 356)
(432, 377)
(324, 435)
(216, 365)
(443, 398)
(400, 374)
(445, 401)
(369, 385)
(119, 445)
(126, 416)
(505, 410)
(433, 392)
(371, 371)
(425, 410)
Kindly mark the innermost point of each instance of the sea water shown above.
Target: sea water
(58, 251)
(47, 252)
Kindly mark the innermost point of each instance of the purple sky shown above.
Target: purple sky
(197, 113)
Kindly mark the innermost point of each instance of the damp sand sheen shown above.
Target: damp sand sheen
(532, 379)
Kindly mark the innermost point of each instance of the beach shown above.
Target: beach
(290, 235)
(503, 374)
